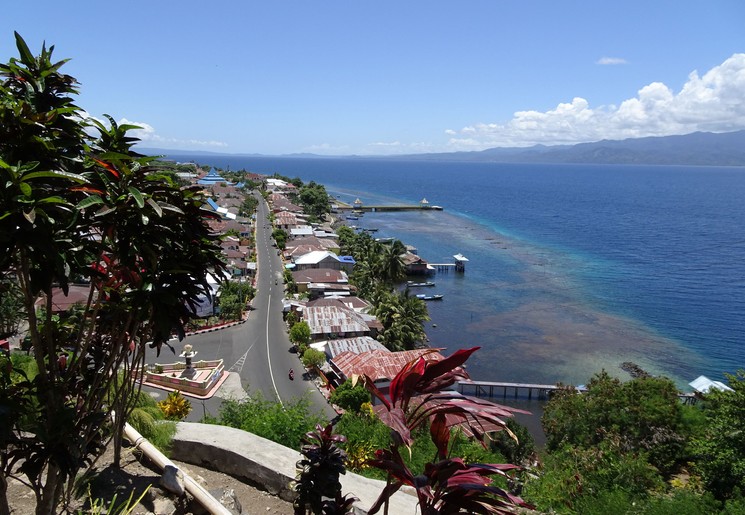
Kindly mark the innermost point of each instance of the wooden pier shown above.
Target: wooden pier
(392, 207)
(541, 391)
(489, 388)
(459, 265)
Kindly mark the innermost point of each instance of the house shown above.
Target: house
(301, 231)
(379, 365)
(303, 278)
(357, 345)
(703, 384)
(212, 178)
(285, 220)
(356, 304)
(334, 321)
(414, 264)
(314, 243)
(324, 259)
(77, 294)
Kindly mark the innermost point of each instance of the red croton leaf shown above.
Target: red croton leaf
(402, 386)
(440, 433)
(395, 418)
(110, 168)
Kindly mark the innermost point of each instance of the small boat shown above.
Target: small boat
(412, 284)
(350, 217)
(429, 297)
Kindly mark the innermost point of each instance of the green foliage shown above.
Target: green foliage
(149, 420)
(403, 317)
(720, 448)
(314, 199)
(12, 309)
(300, 333)
(681, 502)
(286, 425)
(99, 506)
(572, 475)
(233, 298)
(518, 451)
(643, 415)
(313, 358)
(350, 398)
(292, 318)
(78, 207)
(248, 207)
(280, 237)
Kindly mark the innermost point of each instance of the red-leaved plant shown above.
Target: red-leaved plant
(418, 395)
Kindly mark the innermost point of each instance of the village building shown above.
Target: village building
(328, 322)
(381, 366)
(324, 259)
(212, 178)
(303, 278)
(313, 243)
(414, 265)
(333, 348)
(301, 231)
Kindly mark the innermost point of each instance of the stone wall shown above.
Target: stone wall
(268, 465)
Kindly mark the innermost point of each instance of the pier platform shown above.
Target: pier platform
(392, 207)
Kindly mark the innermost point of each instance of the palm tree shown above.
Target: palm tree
(402, 317)
(390, 265)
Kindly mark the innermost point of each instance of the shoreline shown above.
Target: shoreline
(545, 329)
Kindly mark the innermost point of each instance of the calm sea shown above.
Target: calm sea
(572, 268)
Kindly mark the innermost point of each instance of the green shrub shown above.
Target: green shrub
(516, 452)
(285, 425)
(350, 398)
(313, 358)
(571, 474)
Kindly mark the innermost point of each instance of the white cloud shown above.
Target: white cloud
(611, 60)
(147, 135)
(714, 102)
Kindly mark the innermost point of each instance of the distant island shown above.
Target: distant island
(696, 149)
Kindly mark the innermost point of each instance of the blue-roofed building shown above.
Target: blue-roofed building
(212, 204)
(212, 178)
(324, 259)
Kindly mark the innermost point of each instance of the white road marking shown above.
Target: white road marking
(238, 365)
(268, 354)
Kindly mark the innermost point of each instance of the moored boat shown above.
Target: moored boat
(412, 284)
(429, 297)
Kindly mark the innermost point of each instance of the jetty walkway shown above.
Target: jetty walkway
(391, 207)
(541, 391)
(489, 388)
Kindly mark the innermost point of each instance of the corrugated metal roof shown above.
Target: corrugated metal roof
(354, 345)
(333, 320)
(377, 364)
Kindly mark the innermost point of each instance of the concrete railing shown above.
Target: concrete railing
(268, 465)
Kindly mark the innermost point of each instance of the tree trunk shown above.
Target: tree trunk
(4, 506)
(50, 492)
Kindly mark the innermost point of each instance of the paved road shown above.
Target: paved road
(258, 350)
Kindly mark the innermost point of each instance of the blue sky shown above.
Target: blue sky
(351, 77)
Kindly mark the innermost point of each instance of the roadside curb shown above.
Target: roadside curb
(217, 327)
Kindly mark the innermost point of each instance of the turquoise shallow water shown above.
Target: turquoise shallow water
(572, 269)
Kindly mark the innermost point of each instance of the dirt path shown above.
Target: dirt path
(137, 476)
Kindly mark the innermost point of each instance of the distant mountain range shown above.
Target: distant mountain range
(698, 148)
